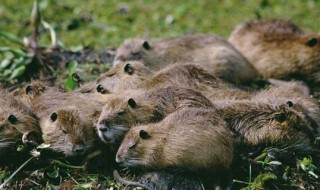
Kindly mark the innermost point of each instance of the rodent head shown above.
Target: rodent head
(137, 150)
(280, 125)
(119, 115)
(18, 126)
(134, 49)
(30, 91)
(128, 75)
(68, 132)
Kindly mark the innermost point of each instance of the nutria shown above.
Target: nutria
(119, 78)
(68, 131)
(34, 89)
(297, 94)
(182, 75)
(18, 125)
(212, 52)
(123, 111)
(258, 123)
(193, 138)
(67, 120)
(279, 49)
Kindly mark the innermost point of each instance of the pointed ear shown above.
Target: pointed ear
(128, 69)
(289, 104)
(144, 134)
(312, 42)
(146, 45)
(281, 117)
(29, 89)
(132, 103)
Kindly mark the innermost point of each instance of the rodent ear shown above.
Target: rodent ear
(312, 42)
(146, 45)
(144, 134)
(12, 119)
(128, 69)
(29, 89)
(281, 117)
(100, 89)
(132, 103)
(289, 103)
(53, 116)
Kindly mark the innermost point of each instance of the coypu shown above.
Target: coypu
(279, 49)
(212, 52)
(123, 111)
(66, 119)
(18, 125)
(67, 131)
(298, 95)
(119, 78)
(182, 75)
(34, 89)
(258, 123)
(174, 142)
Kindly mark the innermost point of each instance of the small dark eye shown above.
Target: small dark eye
(12, 119)
(281, 117)
(28, 89)
(100, 88)
(121, 113)
(54, 117)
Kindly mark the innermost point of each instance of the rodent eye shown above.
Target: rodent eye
(28, 89)
(121, 113)
(12, 119)
(53, 116)
(281, 117)
(128, 68)
(100, 88)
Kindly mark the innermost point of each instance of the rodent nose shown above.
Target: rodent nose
(79, 149)
(103, 128)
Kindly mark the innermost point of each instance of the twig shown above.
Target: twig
(15, 172)
(128, 183)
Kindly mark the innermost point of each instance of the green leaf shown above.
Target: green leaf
(55, 173)
(11, 37)
(72, 67)
(5, 63)
(15, 52)
(17, 72)
(70, 84)
(274, 163)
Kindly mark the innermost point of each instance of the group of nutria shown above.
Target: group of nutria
(180, 104)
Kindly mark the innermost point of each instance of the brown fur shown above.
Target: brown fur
(259, 123)
(279, 49)
(192, 138)
(182, 75)
(116, 79)
(72, 133)
(296, 93)
(118, 115)
(22, 127)
(212, 52)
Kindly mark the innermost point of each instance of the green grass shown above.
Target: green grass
(106, 25)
